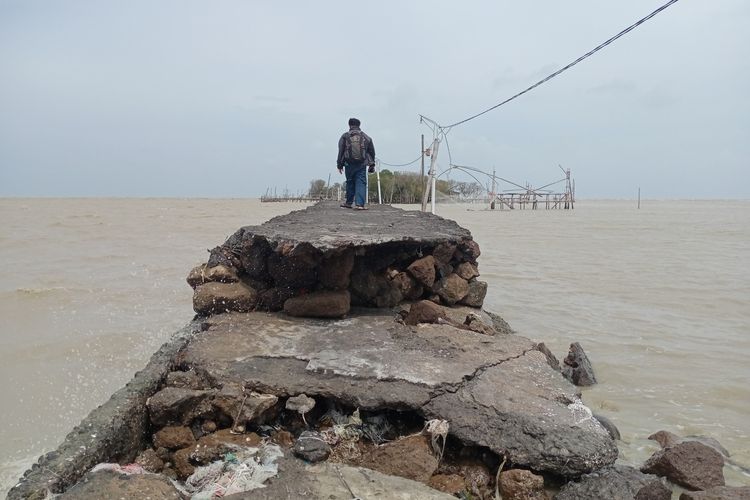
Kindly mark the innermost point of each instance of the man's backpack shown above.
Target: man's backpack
(356, 146)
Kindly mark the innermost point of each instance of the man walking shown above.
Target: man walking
(356, 152)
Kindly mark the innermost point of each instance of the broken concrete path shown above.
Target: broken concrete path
(495, 391)
(326, 226)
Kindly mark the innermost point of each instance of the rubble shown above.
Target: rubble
(327, 340)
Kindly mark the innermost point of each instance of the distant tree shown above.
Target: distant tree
(317, 188)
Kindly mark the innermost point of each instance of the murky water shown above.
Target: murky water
(658, 297)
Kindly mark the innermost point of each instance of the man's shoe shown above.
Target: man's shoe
(361, 207)
(344, 205)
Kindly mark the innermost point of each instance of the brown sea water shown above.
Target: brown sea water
(658, 297)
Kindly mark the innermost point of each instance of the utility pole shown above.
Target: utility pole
(431, 179)
(377, 170)
(494, 187)
(422, 171)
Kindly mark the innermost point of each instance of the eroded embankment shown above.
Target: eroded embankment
(360, 387)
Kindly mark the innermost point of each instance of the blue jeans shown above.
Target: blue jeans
(356, 183)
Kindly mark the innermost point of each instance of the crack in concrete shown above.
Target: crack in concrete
(453, 388)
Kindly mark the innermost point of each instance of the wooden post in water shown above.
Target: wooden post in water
(639, 197)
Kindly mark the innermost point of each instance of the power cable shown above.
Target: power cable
(415, 160)
(564, 68)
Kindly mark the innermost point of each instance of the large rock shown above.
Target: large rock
(410, 457)
(451, 289)
(322, 304)
(213, 446)
(475, 296)
(174, 437)
(425, 311)
(423, 270)
(666, 438)
(577, 367)
(551, 358)
(331, 481)
(467, 270)
(109, 484)
(204, 274)
(619, 482)
(719, 493)
(335, 270)
(212, 298)
(311, 447)
(519, 484)
(176, 405)
(496, 391)
(690, 464)
(409, 287)
(241, 406)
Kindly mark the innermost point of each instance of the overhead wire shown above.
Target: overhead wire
(415, 160)
(566, 67)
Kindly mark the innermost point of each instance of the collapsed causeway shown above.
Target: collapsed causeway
(372, 315)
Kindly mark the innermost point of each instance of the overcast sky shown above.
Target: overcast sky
(229, 98)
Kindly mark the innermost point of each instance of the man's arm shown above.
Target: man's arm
(371, 150)
(340, 158)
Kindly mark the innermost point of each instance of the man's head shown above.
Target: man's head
(353, 122)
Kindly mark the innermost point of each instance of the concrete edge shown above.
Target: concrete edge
(114, 431)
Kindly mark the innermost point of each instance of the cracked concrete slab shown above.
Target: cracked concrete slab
(326, 226)
(495, 391)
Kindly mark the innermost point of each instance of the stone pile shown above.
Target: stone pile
(281, 266)
(408, 390)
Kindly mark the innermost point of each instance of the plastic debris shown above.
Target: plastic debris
(245, 469)
(436, 429)
(122, 469)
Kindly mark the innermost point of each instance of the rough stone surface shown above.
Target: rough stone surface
(330, 481)
(212, 446)
(110, 484)
(476, 294)
(311, 446)
(336, 269)
(175, 405)
(174, 437)
(204, 274)
(519, 484)
(425, 311)
(619, 482)
(501, 326)
(690, 464)
(409, 287)
(551, 359)
(666, 438)
(325, 226)
(423, 270)
(719, 493)
(609, 425)
(467, 271)
(322, 304)
(212, 298)
(181, 462)
(119, 426)
(477, 477)
(241, 407)
(451, 289)
(577, 367)
(496, 391)
(185, 380)
(447, 483)
(410, 457)
(150, 461)
(655, 490)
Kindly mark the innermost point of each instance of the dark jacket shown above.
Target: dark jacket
(369, 149)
